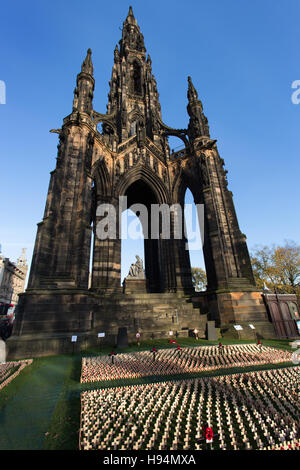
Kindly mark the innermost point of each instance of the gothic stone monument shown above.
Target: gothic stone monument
(124, 152)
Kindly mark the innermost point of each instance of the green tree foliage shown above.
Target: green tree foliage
(199, 279)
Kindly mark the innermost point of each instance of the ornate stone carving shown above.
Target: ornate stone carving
(118, 169)
(126, 162)
(204, 170)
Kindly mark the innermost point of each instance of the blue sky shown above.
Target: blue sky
(242, 56)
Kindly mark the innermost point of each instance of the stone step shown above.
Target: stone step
(58, 282)
(167, 296)
(239, 283)
(163, 299)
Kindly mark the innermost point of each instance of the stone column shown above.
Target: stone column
(106, 275)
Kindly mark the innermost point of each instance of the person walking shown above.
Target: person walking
(112, 355)
(154, 351)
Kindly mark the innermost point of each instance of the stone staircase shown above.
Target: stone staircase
(151, 314)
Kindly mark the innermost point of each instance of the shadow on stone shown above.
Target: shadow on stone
(122, 339)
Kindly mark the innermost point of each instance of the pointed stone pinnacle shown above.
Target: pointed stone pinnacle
(87, 65)
(130, 17)
(192, 92)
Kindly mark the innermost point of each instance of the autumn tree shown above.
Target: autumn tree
(278, 267)
(199, 279)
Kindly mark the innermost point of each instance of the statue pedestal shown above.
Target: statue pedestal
(133, 285)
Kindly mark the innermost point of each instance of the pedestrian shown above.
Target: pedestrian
(112, 354)
(154, 351)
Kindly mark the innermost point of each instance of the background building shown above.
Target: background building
(12, 278)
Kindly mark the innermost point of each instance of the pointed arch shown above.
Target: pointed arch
(101, 177)
(149, 177)
(136, 76)
(183, 183)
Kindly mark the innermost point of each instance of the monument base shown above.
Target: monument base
(134, 285)
(244, 309)
(153, 315)
(232, 308)
(46, 321)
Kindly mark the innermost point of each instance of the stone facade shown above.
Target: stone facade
(12, 278)
(103, 157)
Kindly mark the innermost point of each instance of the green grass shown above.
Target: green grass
(13, 387)
(63, 432)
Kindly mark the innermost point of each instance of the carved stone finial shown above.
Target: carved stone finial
(116, 54)
(192, 92)
(87, 65)
(130, 17)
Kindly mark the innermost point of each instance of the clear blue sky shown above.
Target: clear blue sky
(242, 55)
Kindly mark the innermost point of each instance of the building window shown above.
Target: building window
(136, 79)
(132, 129)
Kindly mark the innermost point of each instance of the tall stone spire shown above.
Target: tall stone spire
(87, 65)
(132, 38)
(192, 92)
(198, 124)
(130, 17)
(133, 101)
(84, 91)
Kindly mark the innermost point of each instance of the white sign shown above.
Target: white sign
(74, 339)
(101, 335)
(238, 327)
(2, 352)
(170, 333)
(252, 326)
